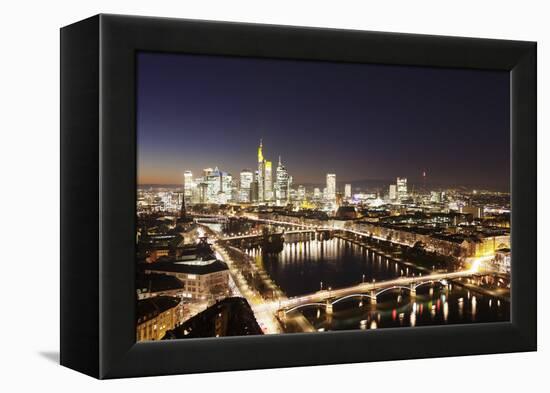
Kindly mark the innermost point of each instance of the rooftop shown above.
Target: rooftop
(237, 320)
(154, 282)
(148, 309)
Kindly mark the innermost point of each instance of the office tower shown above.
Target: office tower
(301, 193)
(226, 188)
(254, 191)
(393, 192)
(213, 182)
(188, 184)
(402, 188)
(245, 188)
(268, 181)
(264, 177)
(202, 193)
(260, 173)
(281, 184)
(219, 186)
(317, 195)
(347, 191)
(331, 187)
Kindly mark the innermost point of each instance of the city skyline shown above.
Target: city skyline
(314, 196)
(454, 124)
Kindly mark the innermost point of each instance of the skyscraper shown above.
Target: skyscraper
(402, 188)
(264, 177)
(347, 191)
(188, 184)
(219, 186)
(268, 181)
(393, 192)
(301, 193)
(247, 177)
(331, 187)
(281, 184)
(317, 195)
(261, 171)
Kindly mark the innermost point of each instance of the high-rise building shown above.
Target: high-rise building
(331, 187)
(402, 188)
(282, 184)
(188, 184)
(219, 186)
(213, 182)
(436, 196)
(317, 195)
(268, 181)
(261, 171)
(200, 193)
(226, 189)
(245, 187)
(301, 193)
(475, 211)
(393, 192)
(254, 191)
(347, 191)
(264, 177)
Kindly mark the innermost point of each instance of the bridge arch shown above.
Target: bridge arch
(304, 305)
(352, 296)
(392, 288)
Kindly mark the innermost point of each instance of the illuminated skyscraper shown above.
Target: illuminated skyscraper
(264, 177)
(261, 171)
(317, 195)
(282, 184)
(268, 181)
(188, 184)
(402, 188)
(301, 193)
(219, 186)
(393, 192)
(331, 187)
(247, 177)
(347, 191)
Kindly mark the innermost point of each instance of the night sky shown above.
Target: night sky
(359, 121)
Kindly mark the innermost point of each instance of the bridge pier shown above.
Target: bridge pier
(282, 315)
(372, 297)
(413, 291)
(328, 307)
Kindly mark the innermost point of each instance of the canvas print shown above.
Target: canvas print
(281, 196)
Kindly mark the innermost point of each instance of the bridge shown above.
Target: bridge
(328, 298)
(291, 232)
(209, 218)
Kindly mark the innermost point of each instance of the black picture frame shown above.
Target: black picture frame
(98, 195)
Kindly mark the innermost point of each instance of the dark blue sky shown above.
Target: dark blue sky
(358, 121)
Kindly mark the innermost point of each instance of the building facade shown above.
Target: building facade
(202, 280)
(347, 191)
(157, 315)
(331, 187)
(401, 185)
(282, 184)
(245, 186)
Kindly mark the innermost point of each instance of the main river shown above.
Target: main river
(308, 265)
